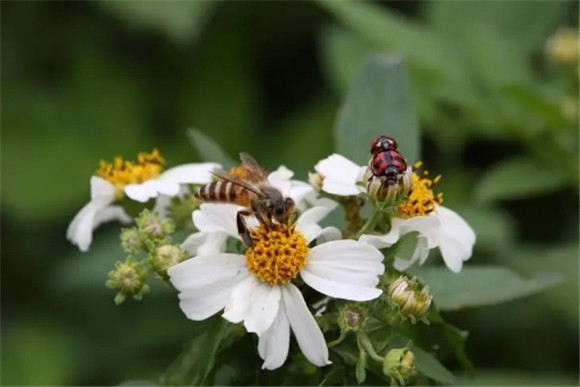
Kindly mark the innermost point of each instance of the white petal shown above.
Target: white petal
(279, 175)
(456, 238)
(217, 217)
(102, 190)
(255, 303)
(162, 203)
(328, 234)
(142, 192)
(193, 241)
(80, 230)
(308, 334)
(111, 213)
(299, 190)
(273, 344)
(344, 269)
(312, 216)
(307, 224)
(340, 175)
(202, 243)
(206, 283)
(195, 173)
(168, 188)
(338, 167)
(340, 188)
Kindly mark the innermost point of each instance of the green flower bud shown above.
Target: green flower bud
(128, 279)
(131, 240)
(152, 228)
(352, 317)
(180, 211)
(399, 365)
(378, 188)
(410, 297)
(166, 256)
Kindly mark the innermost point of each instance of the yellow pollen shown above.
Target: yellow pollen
(277, 254)
(421, 199)
(122, 172)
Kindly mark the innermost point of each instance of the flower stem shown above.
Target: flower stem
(337, 341)
(364, 342)
(371, 223)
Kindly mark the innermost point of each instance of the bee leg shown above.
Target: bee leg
(243, 228)
(258, 213)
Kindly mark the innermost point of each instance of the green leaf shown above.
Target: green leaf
(428, 365)
(517, 178)
(180, 20)
(378, 103)
(510, 18)
(481, 285)
(503, 377)
(208, 149)
(335, 377)
(194, 364)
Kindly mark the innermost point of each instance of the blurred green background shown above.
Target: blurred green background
(86, 81)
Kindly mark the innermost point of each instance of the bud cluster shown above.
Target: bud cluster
(410, 298)
(151, 240)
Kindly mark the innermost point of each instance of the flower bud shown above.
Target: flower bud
(315, 179)
(410, 297)
(399, 365)
(152, 228)
(352, 317)
(128, 279)
(131, 240)
(380, 189)
(166, 256)
(562, 47)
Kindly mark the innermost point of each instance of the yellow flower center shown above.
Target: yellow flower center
(421, 199)
(277, 254)
(122, 172)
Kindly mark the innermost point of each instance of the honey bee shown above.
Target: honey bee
(254, 192)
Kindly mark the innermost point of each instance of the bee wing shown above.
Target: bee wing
(252, 166)
(223, 175)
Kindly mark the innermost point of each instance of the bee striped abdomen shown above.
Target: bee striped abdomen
(223, 191)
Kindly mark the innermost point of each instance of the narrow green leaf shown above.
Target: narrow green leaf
(516, 178)
(481, 285)
(428, 365)
(194, 364)
(378, 103)
(208, 149)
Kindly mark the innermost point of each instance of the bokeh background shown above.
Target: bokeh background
(84, 81)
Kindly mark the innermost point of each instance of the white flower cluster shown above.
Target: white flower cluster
(257, 287)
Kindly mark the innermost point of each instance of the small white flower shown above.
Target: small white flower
(256, 287)
(139, 182)
(438, 226)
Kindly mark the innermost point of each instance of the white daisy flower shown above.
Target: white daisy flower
(438, 226)
(257, 288)
(140, 181)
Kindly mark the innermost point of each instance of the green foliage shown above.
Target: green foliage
(195, 363)
(431, 367)
(516, 178)
(378, 103)
(483, 285)
(209, 150)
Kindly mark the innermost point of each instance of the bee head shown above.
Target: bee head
(283, 209)
(383, 143)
